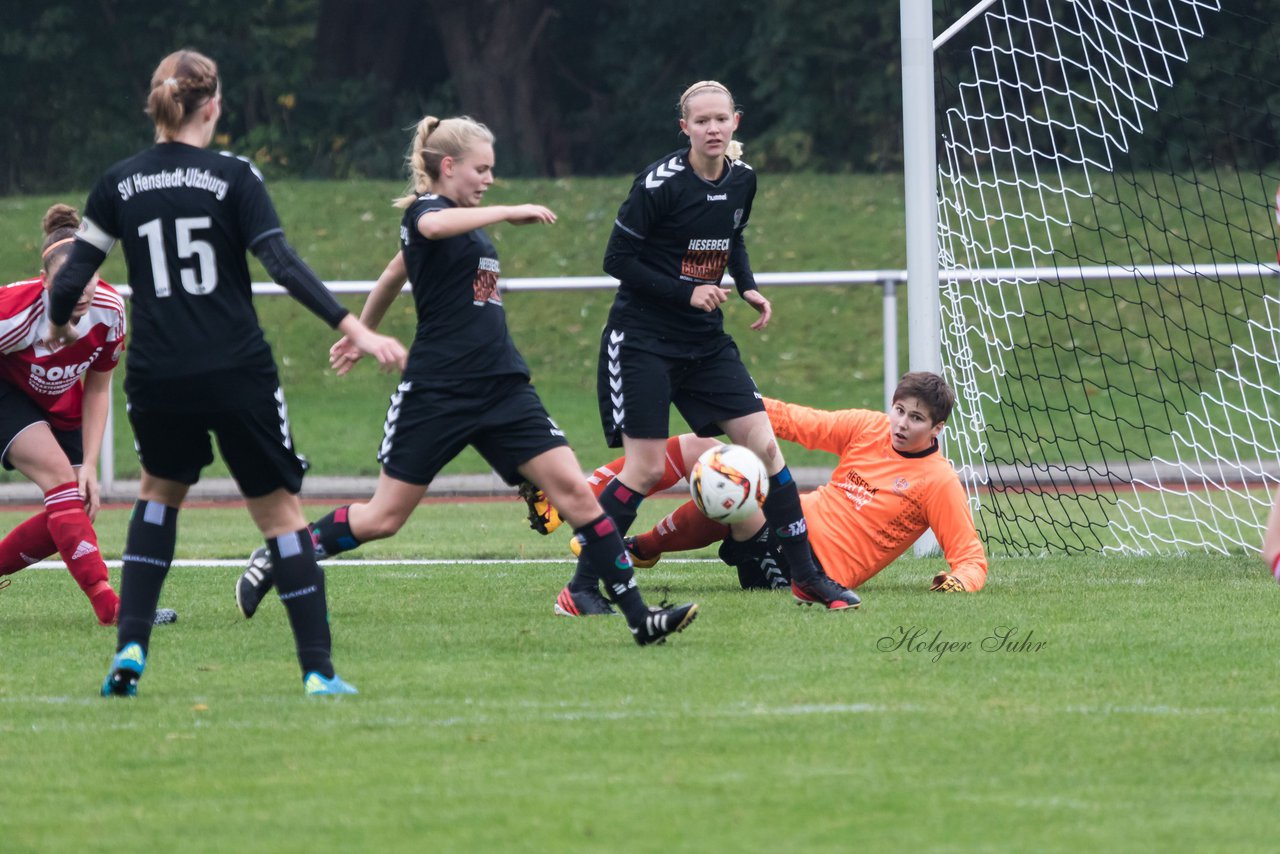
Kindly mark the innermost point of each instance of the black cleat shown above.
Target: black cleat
(661, 622)
(164, 616)
(255, 583)
(819, 589)
(582, 603)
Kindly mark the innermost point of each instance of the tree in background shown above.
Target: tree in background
(326, 88)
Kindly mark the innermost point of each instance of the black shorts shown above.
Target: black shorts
(254, 441)
(18, 412)
(636, 387)
(502, 418)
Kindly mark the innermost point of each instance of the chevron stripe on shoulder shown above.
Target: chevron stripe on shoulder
(662, 172)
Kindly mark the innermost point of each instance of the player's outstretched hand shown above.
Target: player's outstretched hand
(944, 583)
(389, 352)
(708, 297)
(760, 303)
(530, 215)
(343, 355)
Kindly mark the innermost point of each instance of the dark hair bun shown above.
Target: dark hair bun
(60, 216)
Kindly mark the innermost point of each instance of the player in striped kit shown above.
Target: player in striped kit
(46, 392)
(199, 364)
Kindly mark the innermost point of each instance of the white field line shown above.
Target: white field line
(481, 716)
(442, 561)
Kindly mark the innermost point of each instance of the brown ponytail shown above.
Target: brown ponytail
(59, 225)
(183, 82)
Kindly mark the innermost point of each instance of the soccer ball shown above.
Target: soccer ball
(728, 483)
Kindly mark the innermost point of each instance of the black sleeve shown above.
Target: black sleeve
(71, 280)
(622, 261)
(740, 265)
(284, 265)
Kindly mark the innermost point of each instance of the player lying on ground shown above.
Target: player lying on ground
(46, 394)
(891, 484)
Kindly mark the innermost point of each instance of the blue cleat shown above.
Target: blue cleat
(126, 668)
(317, 686)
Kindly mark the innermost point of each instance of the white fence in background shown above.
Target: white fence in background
(887, 280)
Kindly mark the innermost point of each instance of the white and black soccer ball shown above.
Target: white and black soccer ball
(728, 483)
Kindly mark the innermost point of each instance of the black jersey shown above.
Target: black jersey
(675, 231)
(185, 217)
(462, 326)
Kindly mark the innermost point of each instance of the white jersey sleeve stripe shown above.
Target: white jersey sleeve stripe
(16, 332)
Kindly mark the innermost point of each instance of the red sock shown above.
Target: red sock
(683, 530)
(73, 533)
(26, 544)
(672, 473)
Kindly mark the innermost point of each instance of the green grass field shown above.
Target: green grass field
(1130, 709)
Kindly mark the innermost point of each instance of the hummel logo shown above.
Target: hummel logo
(85, 548)
(664, 171)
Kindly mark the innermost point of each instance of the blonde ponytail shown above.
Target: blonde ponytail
(433, 140)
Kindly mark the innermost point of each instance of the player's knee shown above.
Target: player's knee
(379, 527)
(574, 501)
(642, 478)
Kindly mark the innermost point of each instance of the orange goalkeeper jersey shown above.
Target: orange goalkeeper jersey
(878, 501)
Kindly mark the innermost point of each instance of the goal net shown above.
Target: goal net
(1108, 173)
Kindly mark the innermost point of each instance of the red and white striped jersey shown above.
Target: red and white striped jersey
(51, 378)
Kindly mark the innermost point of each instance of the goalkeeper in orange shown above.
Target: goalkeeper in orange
(891, 484)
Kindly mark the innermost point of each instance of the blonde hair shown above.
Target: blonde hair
(59, 225)
(734, 149)
(183, 82)
(433, 140)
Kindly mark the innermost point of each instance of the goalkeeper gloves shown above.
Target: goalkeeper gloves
(944, 583)
(543, 518)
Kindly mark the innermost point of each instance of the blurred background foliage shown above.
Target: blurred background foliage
(329, 88)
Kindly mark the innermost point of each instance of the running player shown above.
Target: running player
(43, 403)
(680, 227)
(466, 384)
(891, 484)
(199, 363)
